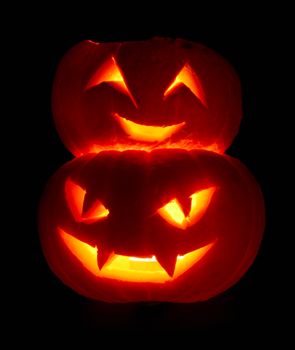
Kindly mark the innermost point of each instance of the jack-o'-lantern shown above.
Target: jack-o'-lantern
(158, 93)
(165, 225)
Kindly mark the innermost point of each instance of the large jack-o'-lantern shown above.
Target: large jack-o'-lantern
(142, 213)
(165, 225)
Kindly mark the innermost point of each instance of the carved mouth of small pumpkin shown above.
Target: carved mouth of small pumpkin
(147, 133)
(131, 269)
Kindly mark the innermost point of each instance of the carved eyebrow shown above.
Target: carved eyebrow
(189, 78)
(110, 72)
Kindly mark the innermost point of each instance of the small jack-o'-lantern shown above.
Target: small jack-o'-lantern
(165, 225)
(145, 95)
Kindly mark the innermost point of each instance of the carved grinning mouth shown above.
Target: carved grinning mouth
(130, 269)
(147, 133)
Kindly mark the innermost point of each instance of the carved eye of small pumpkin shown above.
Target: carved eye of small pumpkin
(189, 78)
(110, 73)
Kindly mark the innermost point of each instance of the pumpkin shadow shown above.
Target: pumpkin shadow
(160, 316)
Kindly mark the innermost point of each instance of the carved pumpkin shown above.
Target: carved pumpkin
(166, 225)
(143, 95)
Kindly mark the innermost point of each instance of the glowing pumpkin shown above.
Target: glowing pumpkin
(166, 225)
(159, 93)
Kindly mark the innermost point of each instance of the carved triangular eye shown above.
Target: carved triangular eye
(83, 207)
(189, 78)
(109, 72)
(173, 213)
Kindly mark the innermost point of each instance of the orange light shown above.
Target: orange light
(130, 269)
(75, 197)
(96, 212)
(189, 78)
(173, 213)
(147, 133)
(109, 72)
(186, 144)
(199, 205)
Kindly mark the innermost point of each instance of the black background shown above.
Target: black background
(251, 42)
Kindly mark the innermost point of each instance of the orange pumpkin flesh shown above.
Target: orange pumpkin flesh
(164, 225)
(150, 210)
(158, 93)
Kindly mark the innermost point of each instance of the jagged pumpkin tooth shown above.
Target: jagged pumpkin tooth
(168, 262)
(104, 256)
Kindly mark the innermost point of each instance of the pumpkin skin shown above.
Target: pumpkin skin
(100, 87)
(133, 186)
